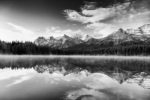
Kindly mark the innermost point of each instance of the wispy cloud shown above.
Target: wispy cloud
(20, 28)
(13, 73)
(18, 81)
(104, 20)
(12, 32)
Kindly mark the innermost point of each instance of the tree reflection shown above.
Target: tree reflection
(92, 65)
(121, 70)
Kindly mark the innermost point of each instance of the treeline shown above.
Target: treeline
(115, 50)
(30, 48)
(22, 48)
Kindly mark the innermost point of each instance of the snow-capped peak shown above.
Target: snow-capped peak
(120, 36)
(41, 41)
(145, 29)
(66, 36)
(86, 37)
(52, 38)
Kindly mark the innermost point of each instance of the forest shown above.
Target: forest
(29, 48)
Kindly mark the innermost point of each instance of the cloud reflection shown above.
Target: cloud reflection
(9, 73)
(75, 85)
(102, 87)
(20, 80)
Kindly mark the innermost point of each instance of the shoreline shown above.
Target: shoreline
(79, 56)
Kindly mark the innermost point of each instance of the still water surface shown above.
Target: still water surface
(47, 78)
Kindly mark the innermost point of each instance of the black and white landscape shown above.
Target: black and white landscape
(74, 50)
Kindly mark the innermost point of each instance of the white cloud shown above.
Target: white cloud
(105, 20)
(57, 32)
(86, 94)
(75, 16)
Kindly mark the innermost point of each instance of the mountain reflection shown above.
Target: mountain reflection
(124, 76)
(74, 79)
(79, 85)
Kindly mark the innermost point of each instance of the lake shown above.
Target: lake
(74, 78)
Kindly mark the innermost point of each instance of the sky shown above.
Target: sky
(25, 20)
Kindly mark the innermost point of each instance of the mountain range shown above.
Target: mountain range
(121, 36)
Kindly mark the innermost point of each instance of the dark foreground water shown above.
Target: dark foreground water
(74, 78)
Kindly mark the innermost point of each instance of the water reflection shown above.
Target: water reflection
(92, 64)
(81, 85)
(31, 85)
(74, 79)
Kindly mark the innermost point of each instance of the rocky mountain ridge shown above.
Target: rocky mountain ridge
(141, 34)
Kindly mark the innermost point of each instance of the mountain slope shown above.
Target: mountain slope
(118, 37)
(61, 42)
(41, 41)
(134, 36)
